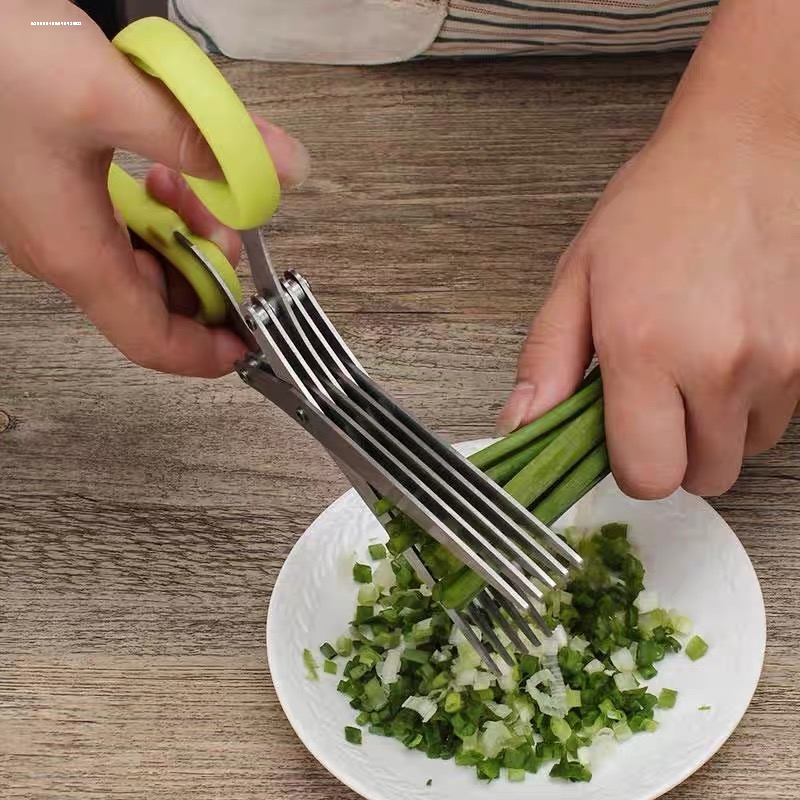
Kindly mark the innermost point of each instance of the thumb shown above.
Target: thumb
(557, 350)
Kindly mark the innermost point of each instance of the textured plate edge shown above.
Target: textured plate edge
(349, 782)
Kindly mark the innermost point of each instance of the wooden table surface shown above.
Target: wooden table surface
(144, 518)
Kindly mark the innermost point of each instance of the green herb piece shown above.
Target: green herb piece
(667, 698)
(362, 573)
(312, 670)
(328, 650)
(696, 648)
(377, 552)
(353, 735)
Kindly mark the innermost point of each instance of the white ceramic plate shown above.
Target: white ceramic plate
(693, 560)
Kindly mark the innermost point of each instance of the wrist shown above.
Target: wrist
(741, 83)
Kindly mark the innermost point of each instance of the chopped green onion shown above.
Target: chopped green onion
(415, 656)
(352, 735)
(560, 728)
(488, 770)
(573, 698)
(622, 731)
(696, 648)
(383, 506)
(615, 530)
(452, 702)
(364, 614)
(414, 677)
(368, 594)
(456, 590)
(667, 698)
(704, 708)
(375, 694)
(571, 770)
(362, 573)
(608, 709)
(377, 552)
(312, 670)
(328, 650)
(330, 667)
(344, 646)
(423, 706)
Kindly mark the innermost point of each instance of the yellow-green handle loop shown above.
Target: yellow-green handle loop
(250, 193)
(156, 224)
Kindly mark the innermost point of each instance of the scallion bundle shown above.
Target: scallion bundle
(547, 466)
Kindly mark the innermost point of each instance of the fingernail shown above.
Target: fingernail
(227, 240)
(291, 158)
(515, 409)
(300, 165)
(229, 348)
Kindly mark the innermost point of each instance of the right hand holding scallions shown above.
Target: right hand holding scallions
(685, 280)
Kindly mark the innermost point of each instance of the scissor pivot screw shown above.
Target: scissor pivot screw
(301, 415)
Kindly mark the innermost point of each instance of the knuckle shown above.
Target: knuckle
(733, 357)
(786, 364)
(728, 351)
(638, 340)
(82, 107)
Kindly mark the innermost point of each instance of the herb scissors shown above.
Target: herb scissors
(298, 361)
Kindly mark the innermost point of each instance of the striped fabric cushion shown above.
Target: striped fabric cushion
(525, 27)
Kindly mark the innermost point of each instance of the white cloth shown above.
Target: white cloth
(356, 32)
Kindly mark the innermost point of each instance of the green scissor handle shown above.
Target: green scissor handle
(250, 191)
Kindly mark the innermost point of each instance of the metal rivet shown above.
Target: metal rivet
(245, 375)
(250, 322)
(301, 415)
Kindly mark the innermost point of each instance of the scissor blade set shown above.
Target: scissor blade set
(306, 368)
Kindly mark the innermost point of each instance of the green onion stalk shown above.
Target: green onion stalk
(547, 466)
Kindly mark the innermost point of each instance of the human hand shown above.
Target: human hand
(68, 98)
(685, 279)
